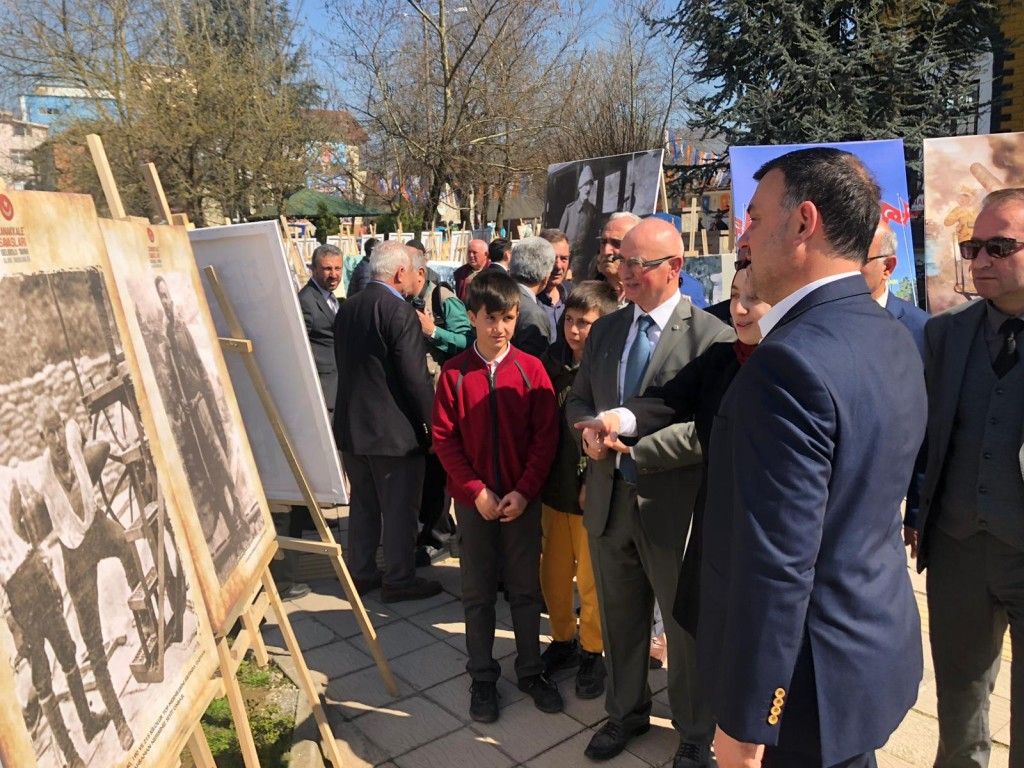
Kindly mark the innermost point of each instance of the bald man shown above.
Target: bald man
(639, 504)
(476, 259)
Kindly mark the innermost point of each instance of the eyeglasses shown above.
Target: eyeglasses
(636, 263)
(880, 256)
(614, 242)
(997, 247)
(741, 264)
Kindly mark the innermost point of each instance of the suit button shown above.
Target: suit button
(780, 692)
(983, 523)
(993, 420)
(987, 454)
(999, 390)
(776, 710)
(982, 490)
(773, 719)
(778, 701)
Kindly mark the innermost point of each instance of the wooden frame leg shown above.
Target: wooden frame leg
(200, 749)
(328, 742)
(259, 648)
(237, 704)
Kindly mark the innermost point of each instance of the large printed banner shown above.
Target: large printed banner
(883, 158)
(958, 173)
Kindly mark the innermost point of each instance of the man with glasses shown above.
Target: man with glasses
(879, 267)
(971, 527)
(638, 505)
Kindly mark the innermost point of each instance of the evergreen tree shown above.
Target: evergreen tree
(793, 71)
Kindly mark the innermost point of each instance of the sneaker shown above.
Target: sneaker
(428, 554)
(483, 701)
(560, 654)
(612, 738)
(690, 755)
(294, 591)
(590, 676)
(544, 693)
(417, 589)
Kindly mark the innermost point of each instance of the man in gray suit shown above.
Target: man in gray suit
(638, 507)
(533, 258)
(971, 524)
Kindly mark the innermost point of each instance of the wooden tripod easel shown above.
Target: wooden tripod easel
(253, 605)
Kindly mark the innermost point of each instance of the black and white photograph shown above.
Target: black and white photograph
(102, 622)
(582, 194)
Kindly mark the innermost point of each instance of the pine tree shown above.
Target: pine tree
(794, 71)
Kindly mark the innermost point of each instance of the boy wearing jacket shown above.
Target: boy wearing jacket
(495, 432)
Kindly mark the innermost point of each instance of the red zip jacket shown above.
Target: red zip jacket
(500, 434)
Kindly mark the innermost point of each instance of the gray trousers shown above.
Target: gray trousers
(383, 510)
(975, 590)
(631, 571)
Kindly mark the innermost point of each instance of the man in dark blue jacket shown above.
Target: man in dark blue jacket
(809, 634)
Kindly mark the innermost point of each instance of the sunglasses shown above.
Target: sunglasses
(996, 247)
(614, 242)
(741, 264)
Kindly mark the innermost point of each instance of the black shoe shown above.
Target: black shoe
(418, 589)
(483, 701)
(690, 755)
(428, 554)
(590, 676)
(544, 693)
(612, 738)
(294, 591)
(560, 654)
(367, 585)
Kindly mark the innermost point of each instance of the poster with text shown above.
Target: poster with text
(886, 162)
(106, 654)
(582, 194)
(227, 519)
(958, 172)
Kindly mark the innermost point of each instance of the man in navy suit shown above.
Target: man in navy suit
(809, 634)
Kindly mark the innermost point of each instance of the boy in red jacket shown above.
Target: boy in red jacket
(496, 433)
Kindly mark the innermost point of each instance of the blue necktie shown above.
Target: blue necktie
(636, 366)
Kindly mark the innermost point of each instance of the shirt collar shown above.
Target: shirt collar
(496, 361)
(326, 294)
(390, 288)
(883, 300)
(996, 317)
(662, 313)
(526, 291)
(772, 317)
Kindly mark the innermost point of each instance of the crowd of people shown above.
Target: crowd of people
(754, 470)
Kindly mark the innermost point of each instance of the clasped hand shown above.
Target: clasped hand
(505, 510)
(601, 435)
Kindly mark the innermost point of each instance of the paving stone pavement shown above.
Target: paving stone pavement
(428, 724)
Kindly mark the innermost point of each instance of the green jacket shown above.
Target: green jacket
(452, 331)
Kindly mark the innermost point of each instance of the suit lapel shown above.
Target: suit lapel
(955, 347)
(614, 348)
(669, 341)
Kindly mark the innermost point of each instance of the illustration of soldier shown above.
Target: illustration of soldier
(961, 217)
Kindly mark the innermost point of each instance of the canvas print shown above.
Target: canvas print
(250, 261)
(886, 162)
(581, 195)
(103, 635)
(958, 172)
(181, 359)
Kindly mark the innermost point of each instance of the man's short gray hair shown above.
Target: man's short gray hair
(624, 215)
(387, 258)
(323, 251)
(533, 258)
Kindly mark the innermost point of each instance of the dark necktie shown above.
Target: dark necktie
(1008, 355)
(636, 366)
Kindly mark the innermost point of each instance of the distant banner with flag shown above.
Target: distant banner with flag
(886, 162)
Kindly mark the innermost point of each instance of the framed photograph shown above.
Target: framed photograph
(251, 263)
(227, 521)
(106, 652)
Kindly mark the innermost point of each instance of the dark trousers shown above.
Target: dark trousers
(435, 523)
(487, 548)
(780, 758)
(630, 571)
(383, 509)
(975, 590)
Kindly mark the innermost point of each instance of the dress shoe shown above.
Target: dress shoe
(544, 693)
(367, 585)
(417, 589)
(560, 654)
(691, 755)
(483, 701)
(612, 738)
(590, 676)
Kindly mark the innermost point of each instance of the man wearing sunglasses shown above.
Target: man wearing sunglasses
(638, 505)
(971, 525)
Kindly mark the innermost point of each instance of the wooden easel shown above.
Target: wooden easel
(252, 607)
